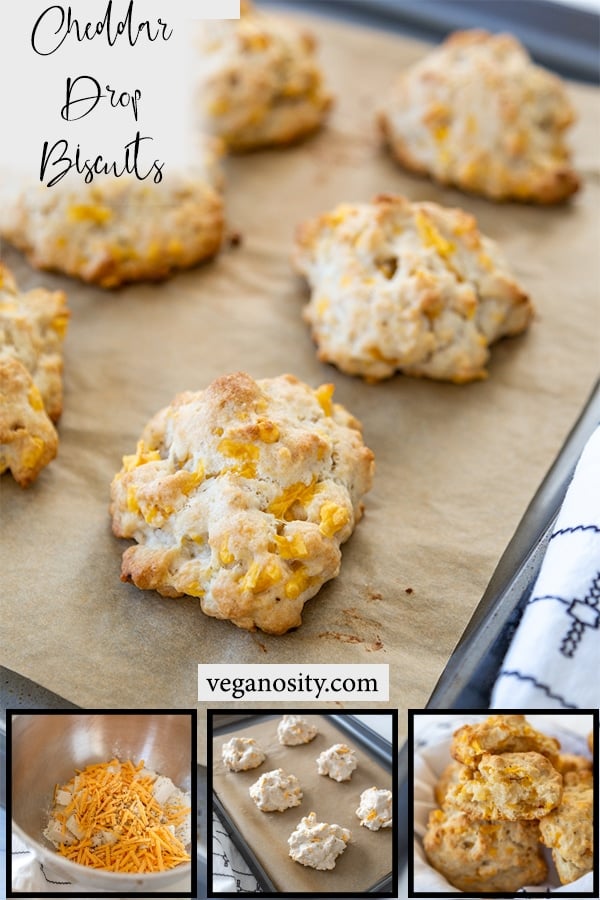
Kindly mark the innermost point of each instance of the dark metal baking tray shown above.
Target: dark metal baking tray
(370, 742)
(560, 37)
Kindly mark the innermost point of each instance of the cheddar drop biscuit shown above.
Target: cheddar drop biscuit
(411, 287)
(478, 114)
(501, 734)
(484, 856)
(260, 82)
(118, 230)
(241, 495)
(32, 330)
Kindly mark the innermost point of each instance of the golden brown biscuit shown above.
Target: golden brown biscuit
(117, 230)
(481, 855)
(33, 325)
(590, 741)
(476, 113)
(508, 786)
(568, 829)
(570, 762)
(452, 774)
(260, 81)
(28, 439)
(500, 734)
(241, 495)
(410, 287)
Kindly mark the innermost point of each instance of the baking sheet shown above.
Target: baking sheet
(364, 863)
(456, 465)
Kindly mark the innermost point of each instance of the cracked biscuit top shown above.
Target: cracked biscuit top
(501, 734)
(477, 113)
(260, 82)
(410, 287)
(568, 830)
(118, 230)
(241, 495)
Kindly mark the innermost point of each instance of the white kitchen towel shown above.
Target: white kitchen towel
(552, 661)
(230, 871)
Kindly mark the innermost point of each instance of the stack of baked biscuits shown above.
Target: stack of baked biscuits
(507, 792)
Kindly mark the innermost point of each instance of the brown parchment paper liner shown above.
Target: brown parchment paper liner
(363, 863)
(456, 464)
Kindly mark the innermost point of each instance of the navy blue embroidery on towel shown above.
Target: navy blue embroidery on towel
(543, 687)
(49, 880)
(572, 528)
(585, 614)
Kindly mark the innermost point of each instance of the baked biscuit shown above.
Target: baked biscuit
(317, 844)
(481, 855)
(509, 786)
(568, 830)
(241, 754)
(500, 734)
(294, 730)
(590, 741)
(260, 83)
(478, 114)
(241, 495)
(570, 762)
(338, 761)
(410, 287)
(375, 809)
(452, 774)
(116, 230)
(33, 325)
(275, 791)
(28, 439)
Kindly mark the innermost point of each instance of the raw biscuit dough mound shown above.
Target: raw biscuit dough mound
(339, 762)
(33, 325)
(410, 287)
(260, 83)
(276, 791)
(477, 113)
(500, 734)
(569, 831)
(509, 786)
(118, 230)
(294, 730)
(375, 809)
(481, 855)
(240, 754)
(28, 439)
(241, 495)
(318, 844)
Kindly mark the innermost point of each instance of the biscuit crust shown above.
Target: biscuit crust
(241, 495)
(568, 830)
(28, 439)
(260, 83)
(501, 734)
(478, 114)
(410, 287)
(482, 855)
(116, 230)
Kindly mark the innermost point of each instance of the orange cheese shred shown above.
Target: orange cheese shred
(123, 827)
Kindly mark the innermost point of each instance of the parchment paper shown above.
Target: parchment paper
(456, 465)
(365, 861)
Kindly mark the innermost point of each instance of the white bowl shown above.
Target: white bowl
(46, 750)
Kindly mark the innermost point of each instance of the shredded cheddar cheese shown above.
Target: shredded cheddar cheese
(120, 817)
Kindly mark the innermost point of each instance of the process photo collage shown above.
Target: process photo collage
(299, 449)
